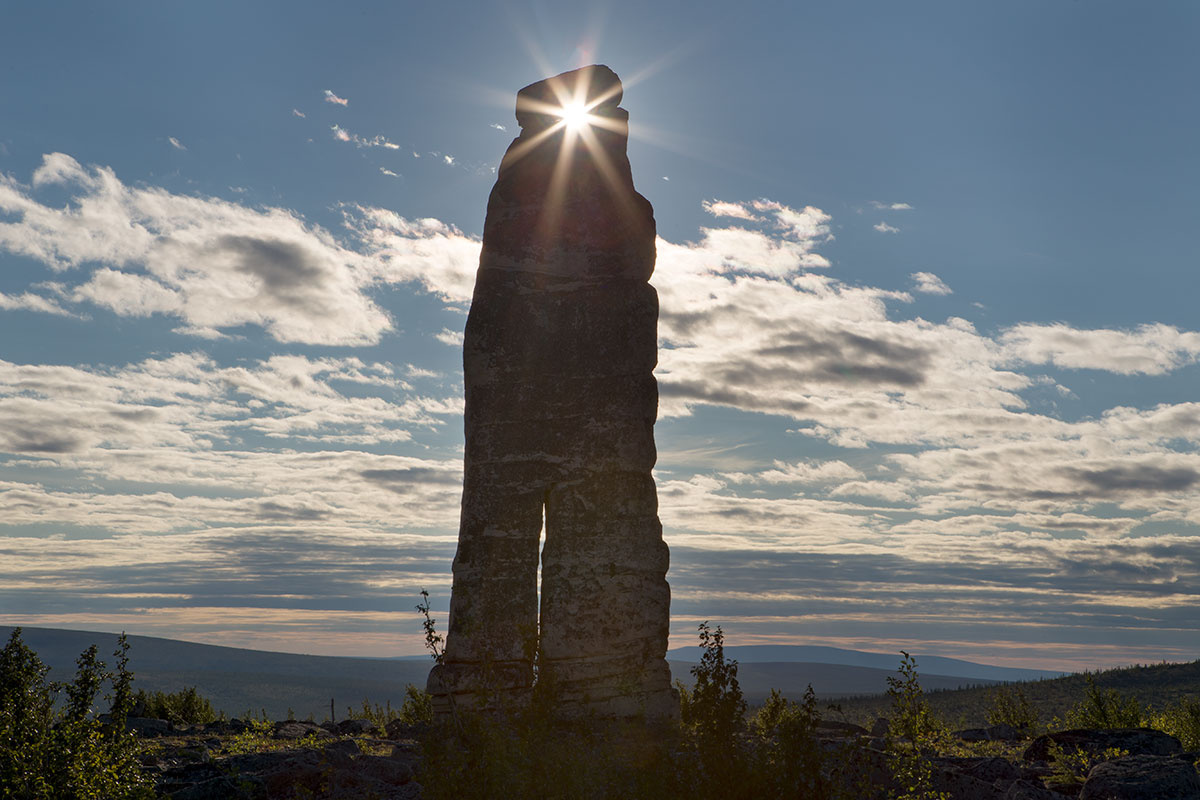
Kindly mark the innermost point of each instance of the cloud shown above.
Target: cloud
(343, 135)
(723, 209)
(449, 337)
(212, 263)
(800, 472)
(298, 113)
(883, 227)
(891, 206)
(498, 126)
(928, 283)
(448, 159)
(945, 491)
(176, 143)
(1151, 349)
(437, 256)
(330, 97)
(809, 224)
(33, 302)
(388, 172)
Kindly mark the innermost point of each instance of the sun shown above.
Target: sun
(574, 116)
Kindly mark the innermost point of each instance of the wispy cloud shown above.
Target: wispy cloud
(176, 143)
(891, 206)
(330, 97)
(388, 172)
(1152, 349)
(498, 126)
(298, 113)
(883, 227)
(33, 302)
(452, 338)
(928, 283)
(720, 208)
(343, 135)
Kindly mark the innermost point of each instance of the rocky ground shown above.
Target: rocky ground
(354, 759)
(280, 760)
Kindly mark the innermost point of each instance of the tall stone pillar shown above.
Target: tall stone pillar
(559, 353)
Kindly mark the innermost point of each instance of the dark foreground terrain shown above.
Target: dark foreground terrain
(289, 759)
(1129, 734)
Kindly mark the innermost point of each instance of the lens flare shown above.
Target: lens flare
(575, 116)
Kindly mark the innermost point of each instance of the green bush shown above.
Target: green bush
(1181, 720)
(1104, 708)
(913, 733)
(185, 707)
(714, 708)
(788, 757)
(65, 753)
(1009, 706)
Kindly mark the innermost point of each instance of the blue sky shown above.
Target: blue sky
(928, 346)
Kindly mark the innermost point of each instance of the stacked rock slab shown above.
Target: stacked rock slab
(558, 357)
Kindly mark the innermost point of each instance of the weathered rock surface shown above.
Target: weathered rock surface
(561, 399)
(1136, 741)
(993, 733)
(1028, 790)
(1142, 777)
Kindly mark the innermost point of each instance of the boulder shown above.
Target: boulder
(994, 733)
(147, 727)
(1028, 790)
(1136, 741)
(1142, 777)
(293, 729)
(354, 727)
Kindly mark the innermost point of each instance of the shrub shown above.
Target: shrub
(47, 752)
(1181, 720)
(1072, 765)
(715, 707)
(1010, 706)
(185, 707)
(789, 756)
(417, 708)
(913, 732)
(1104, 708)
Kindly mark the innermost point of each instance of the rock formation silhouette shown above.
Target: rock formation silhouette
(561, 399)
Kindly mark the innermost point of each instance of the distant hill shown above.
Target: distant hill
(829, 681)
(235, 679)
(752, 654)
(1153, 686)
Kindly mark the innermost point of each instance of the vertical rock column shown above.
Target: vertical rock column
(559, 353)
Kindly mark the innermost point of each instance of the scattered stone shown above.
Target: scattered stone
(222, 787)
(1028, 790)
(1142, 777)
(397, 729)
(353, 727)
(147, 727)
(959, 785)
(293, 729)
(830, 727)
(346, 747)
(1136, 741)
(987, 769)
(558, 361)
(994, 733)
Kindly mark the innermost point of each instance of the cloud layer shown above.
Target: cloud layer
(923, 476)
